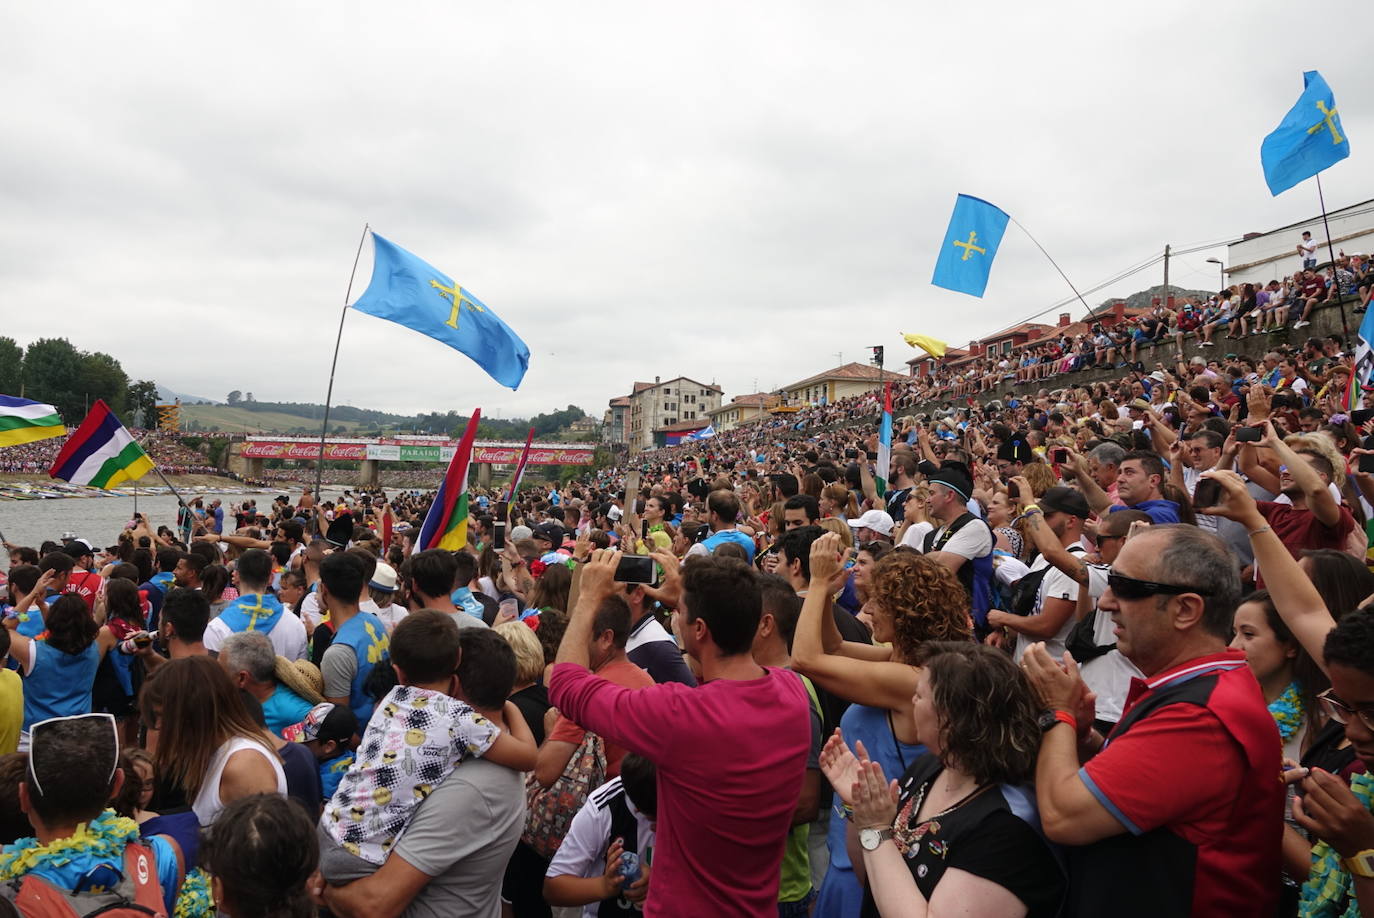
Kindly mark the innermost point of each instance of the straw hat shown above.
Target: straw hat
(302, 677)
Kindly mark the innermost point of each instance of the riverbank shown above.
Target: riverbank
(32, 486)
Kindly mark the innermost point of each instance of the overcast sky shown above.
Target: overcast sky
(734, 192)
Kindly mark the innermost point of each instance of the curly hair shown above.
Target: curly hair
(987, 709)
(1040, 476)
(925, 599)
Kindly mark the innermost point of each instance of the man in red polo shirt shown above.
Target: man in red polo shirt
(1180, 810)
(82, 581)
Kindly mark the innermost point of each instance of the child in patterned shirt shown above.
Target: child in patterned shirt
(417, 735)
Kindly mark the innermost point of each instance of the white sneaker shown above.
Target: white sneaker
(1301, 324)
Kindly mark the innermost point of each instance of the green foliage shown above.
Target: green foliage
(11, 367)
(235, 397)
(103, 377)
(52, 374)
(141, 400)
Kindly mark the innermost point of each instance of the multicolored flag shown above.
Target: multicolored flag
(446, 524)
(884, 443)
(23, 421)
(520, 467)
(101, 453)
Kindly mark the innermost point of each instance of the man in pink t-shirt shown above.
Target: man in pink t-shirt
(731, 754)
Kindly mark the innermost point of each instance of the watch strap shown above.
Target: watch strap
(1361, 864)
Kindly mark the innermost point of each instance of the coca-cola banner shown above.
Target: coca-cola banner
(436, 450)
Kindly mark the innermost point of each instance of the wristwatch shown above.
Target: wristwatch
(1361, 864)
(1048, 719)
(871, 838)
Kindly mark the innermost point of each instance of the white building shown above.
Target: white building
(1262, 257)
(661, 404)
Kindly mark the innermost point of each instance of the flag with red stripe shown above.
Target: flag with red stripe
(446, 523)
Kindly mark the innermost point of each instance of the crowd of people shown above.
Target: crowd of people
(1241, 311)
(1096, 649)
(166, 449)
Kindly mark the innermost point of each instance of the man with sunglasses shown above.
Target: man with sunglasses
(1180, 810)
(80, 849)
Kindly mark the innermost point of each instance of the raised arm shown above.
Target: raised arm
(1098, 499)
(1299, 604)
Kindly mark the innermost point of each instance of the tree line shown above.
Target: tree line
(53, 371)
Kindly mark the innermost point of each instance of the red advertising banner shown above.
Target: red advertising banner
(509, 454)
(268, 449)
(355, 451)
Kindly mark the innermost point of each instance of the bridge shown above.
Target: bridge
(246, 457)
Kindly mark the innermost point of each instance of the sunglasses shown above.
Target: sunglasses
(1341, 712)
(1130, 588)
(38, 729)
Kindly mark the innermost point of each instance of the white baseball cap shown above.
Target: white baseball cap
(877, 520)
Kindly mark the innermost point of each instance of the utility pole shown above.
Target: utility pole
(1166, 276)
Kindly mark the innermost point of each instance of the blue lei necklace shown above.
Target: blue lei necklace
(1287, 712)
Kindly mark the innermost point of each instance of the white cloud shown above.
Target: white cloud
(729, 191)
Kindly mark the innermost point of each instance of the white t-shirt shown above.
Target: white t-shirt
(974, 540)
(915, 535)
(287, 636)
(583, 852)
(1108, 676)
(1055, 585)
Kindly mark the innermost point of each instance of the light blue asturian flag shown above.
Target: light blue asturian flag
(411, 292)
(1309, 139)
(975, 231)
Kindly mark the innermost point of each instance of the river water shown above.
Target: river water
(100, 519)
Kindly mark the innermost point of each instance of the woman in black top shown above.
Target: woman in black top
(959, 829)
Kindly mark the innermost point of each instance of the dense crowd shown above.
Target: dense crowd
(1098, 649)
(166, 449)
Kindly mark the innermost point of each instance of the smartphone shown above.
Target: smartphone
(1249, 435)
(1013, 490)
(1207, 493)
(1059, 455)
(635, 569)
(503, 511)
(851, 454)
(644, 530)
(1361, 416)
(1367, 465)
(498, 535)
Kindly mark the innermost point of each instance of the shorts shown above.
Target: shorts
(337, 866)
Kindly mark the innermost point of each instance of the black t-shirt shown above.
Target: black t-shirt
(983, 837)
(533, 701)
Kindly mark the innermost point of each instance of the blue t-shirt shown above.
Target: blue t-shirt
(332, 772)
(730, 535)
(1159, 511)
(284, 708)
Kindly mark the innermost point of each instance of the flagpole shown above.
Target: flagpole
(329, 394)
(1331, 251)
(1053, 262)
(190, 514)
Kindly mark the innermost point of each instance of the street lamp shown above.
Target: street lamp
(1221, 268)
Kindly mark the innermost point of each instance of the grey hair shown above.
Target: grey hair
(251, 652)
(1107, 454)
(1191, 557)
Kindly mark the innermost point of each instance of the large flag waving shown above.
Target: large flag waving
(23, 421)
(884, 443)
(101, 453)
(975, 231)
(520, 466)
(446, 523)
(1308, 140)
(409, 291)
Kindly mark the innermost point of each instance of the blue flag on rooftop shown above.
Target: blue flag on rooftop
(975, 231)
(1309, 139)
(410, 292)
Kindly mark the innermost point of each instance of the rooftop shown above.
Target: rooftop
(849, 371)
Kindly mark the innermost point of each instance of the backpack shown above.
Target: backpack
(1023, 593)
(976, 574)
(135, 894)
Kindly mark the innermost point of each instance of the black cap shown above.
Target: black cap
(1065, 500)
(550, 532)
(953, 475)
(1015, 449)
